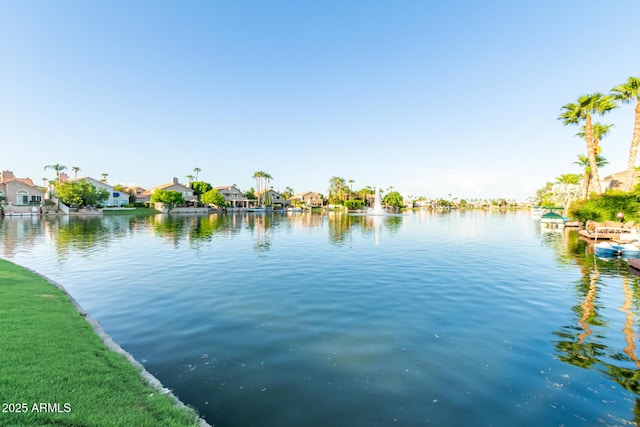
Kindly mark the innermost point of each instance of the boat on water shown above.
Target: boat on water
(552, 220)
(536, 212)
(609, 249)
(260, 209)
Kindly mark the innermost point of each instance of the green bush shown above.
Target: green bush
(354, 204)
(607, 207)
(584, 211)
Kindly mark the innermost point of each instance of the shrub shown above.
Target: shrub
(354, 204)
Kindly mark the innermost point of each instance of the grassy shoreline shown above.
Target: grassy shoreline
(55, 369)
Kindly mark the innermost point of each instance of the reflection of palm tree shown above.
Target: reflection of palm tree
(573, 346)
(588, 308)
(628, 324)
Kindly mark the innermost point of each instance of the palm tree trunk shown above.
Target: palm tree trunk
(592, 150)
(633, 151)
(585, 184)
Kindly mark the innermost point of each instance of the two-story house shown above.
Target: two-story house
(233, 196)
(310, 199)
(174, 185)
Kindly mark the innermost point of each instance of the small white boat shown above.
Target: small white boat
(294, 209)
(631, 249)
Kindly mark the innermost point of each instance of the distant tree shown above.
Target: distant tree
(393, 199)
(250, 194)
(287, 193)
(336, 188)
(626, 93)
(213, 197)
(189, 178)
(569, 178)
(200, 187)
(81, 193)
(75, 170)
(56, 167)
(197, 171)
(262, 183)
(170, 198)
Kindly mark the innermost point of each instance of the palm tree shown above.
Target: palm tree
(583, 161)
(56, 167)
(75, 170)
(197, 171)
(626, 93)
(262, 183)
(190, 178)
(351, 181)
(583, 110)
(336, 186)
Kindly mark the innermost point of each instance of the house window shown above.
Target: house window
(22, 197)
(36, 199)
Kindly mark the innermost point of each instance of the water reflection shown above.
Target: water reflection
(342, 225)
(84, 235)
(593, 341)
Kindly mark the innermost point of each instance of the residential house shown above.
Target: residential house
(271, 197)
(174, 185)
(137, 191)
(616, 181)
(116, 198)
(19, 191)
(310, 199)
(233, 196)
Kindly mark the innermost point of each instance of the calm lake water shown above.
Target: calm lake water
(461, 318)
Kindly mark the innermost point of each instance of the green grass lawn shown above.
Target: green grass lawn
(56, 371)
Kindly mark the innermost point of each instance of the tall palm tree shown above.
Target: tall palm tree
(262, 182)
(56, 167)
(582, 111)
(197, 171)
(583, 161)
(627, 93)
(190, 178)
(351, 181)
(336, 186)
(75, 170)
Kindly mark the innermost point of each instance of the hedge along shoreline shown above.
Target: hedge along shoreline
(57, 364)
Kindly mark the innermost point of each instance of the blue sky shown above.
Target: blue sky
(432, 98)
